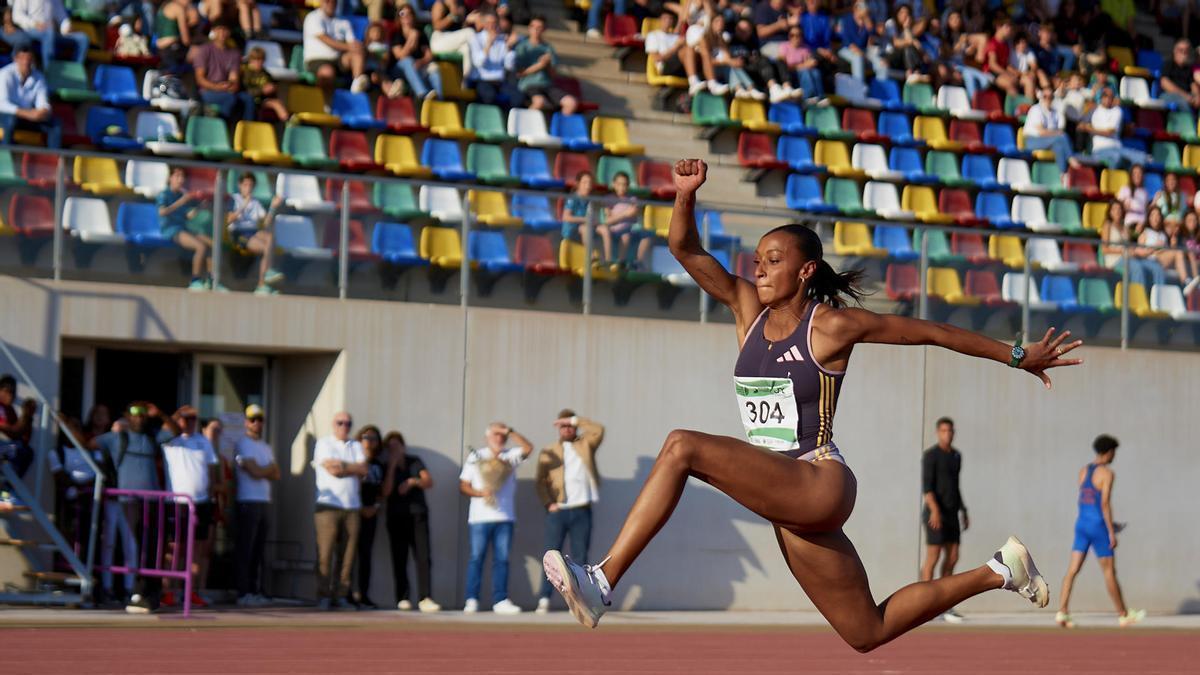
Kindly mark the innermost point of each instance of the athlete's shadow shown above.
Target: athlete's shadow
(694, 562)
(1191, 605)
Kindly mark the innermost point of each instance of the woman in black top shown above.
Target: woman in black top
(372, 497)
(408, 520)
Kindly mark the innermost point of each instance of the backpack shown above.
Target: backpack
(168, 86)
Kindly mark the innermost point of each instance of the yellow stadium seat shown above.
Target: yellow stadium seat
(1043, 155)
(1122, 55)
(99, 176)
(649, 25)
(657, 79)
(835, 157)
(1191, 156)
(6, 230)
(1007, 249)
(752, 115)
(452, 82)
(257, 143)
(308, 106)
(572, 256)
(1094, 214)
(612, 133)
(932, 130)
(1139, 302)
(398, 155)
(441, 246)
(443, 120)
(855, 239)
(943, 282)
(490, 209)
(657, 219)
(1112, 180)
(96, 52)
(920, 200)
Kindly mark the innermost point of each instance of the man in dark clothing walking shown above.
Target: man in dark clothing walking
(940, 467)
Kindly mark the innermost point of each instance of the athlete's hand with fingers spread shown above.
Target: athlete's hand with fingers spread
(1048, 353)
(935, 519)
(689, 175)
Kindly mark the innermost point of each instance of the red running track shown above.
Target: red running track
(352, 649)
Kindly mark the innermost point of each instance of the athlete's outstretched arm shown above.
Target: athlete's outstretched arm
(860, 325)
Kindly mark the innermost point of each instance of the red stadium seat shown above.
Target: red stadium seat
(967, 133)
(757, 151)
(1152, 123)
(903, 282)
(110, 45)
(1083, 178)
(988, 101)
(971, 247)
(862, 123)
(199, 180)
(1193, 301)
(982, 284)
(571, 86)
(71, 135)
(351, 150)
(358, 246)
(31, 215)
(39, 170)
(1081, 254)
(399, 115)
(621, 30)
(1187, 185)
(537, 254)
(568, 165)
(360, 200)
(656, 177)
(957, 202)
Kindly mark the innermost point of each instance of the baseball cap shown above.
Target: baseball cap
(255, 410)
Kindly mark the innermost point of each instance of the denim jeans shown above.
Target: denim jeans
(974, 80)
(144, 9)
(1113, 156)
(857, 61)
(499, 537)
(49, 40)
(1140, 268)
(51, 127)
(594, 17)
(115, 524)
(416, 81)
(226, 101)
(573, 523)
(810, 82)
(1059, 143)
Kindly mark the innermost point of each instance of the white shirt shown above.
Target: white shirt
(27, 14)
(1106, 119)
(248, 218)
(188, 458)
(341, 492)
(249, 488)
(74, 464)
(1040, 120)
(579, 488)
(319, 23)
(660, 42)
(505, 508)
(493, 64)
(28, 94)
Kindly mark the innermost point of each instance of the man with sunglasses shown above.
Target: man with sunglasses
(340, 464)
(191, 470)
(256, 468)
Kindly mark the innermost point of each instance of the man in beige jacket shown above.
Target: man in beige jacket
(568, 484)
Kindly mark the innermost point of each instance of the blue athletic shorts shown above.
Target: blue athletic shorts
(1092, 534)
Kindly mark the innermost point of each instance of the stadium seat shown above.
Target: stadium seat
(396, 200)
(399, 115)
(621, 30)
(919, 95)
(529, 127)
(887, 92)
(756, 151)
(40, 170)
(907, 161)
(72, 135)
(572, 256)
(1044, 254)
(302, 193)
(204, 180)
(1030, 211)
(1047, 175)
(1060, 290)
(752, 115)
(657, 178)
(87, 219)
(1097, 294)
(902, 282)
(982, 284)
(861, 123)
(160, 133)
(486, 161)
(68, 81)
(159, 100)
(897, 127)
(452, 82)
(656, 219)
(1082, 255)
(443, 120)
(966, 132)
(274, 64)
(854, 239)
(956, 203)
(488, 123)
(943, 283)
(612, 133)
(358, 200)
(970, 247)
(895, 241)
(354, 110)
(530, 166)
(117, 86)
(1014, 172)
(1112, 180)
(954, 100)
(1094, 214)
(146, 178)
(825, 121)
(296, 57)
(1007, 249)
(994, 207)
(443, 203)
(535, 212)
(980, 170)
(709, 110)
(8, 171)
(490, 208)
(489, 252)
(937, 247)
(573, 131)
(944, 166)
(568, 165)
(882, 198)
(932, 130)
(797, 154)
(843, 194)
(1168, 299)
(790, 118)
(296, 236)
(210, 138)
(444, 158)
(1013, 289)
(669, 269)
(655, 78)
(1001, 136)
(394, 244)
(1065, 214)
(307, 147)
(257, 143)
(803, 193)
(99, 176)
(351, 152)
(536, 253)
(308, 106)
(921, 201)
(866, 157)
(1139, 302)
(1166, 154)
(988, 102)
(835, 157)
(108, 129)
(398, 155)
(138, 224)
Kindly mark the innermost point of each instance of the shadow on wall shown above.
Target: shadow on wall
(1191, 605)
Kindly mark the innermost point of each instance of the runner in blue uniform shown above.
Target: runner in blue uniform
(1096, 530)
(796, 336)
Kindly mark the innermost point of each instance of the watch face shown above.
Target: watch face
(1018, 353)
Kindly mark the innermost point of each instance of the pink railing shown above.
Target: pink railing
(156, 566)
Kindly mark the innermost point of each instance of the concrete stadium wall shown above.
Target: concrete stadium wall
(400, 366)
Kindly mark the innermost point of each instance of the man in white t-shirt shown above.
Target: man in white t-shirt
(673, 56)
(568, 484)
(339, 464)
(489, 478)
(1045, 128)
(191, 469)
(330, 47)
(1105, 127)
(256, 469)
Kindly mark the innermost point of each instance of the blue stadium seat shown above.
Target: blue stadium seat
(532, 167)
(796, 151)
(535, 211)
(995, 208)
(898, 128)
(1151, 60)
(108, 128)
(394, 243)
(897, 242)
(489, 250)
(804, 194)
(138, 223)
(1061, 290)
(907, 160)
(117, 86)
(717, 237)
(354, 110)
(359, 24)
(979, 168)
(887, 92)
(574, 132)
(1152, 182)
(790, 118)
(444, 158)
(1000, 135)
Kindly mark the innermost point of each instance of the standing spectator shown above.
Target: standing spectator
(568, 484)
(47, 22)
(256, 469)
(25, 99)
(404, 489)
(250, 228)
(173, 27)
(216, 65)
(330, 47)
(191, 465)
(371, 496)
(15, 430)
(1105, 127)
(489, 478)
(801, 61)
(535, 61)
(671, 53)
(575, 209)
(99, 421)
(413, 58)
(75, 481)
(1045, 128)
(260, 85)
(940, 468)
(491, 60)
(451, 31)
(339, 464)
(181, 218)
(1179, 77)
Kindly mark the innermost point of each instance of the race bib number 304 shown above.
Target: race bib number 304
(768, 409)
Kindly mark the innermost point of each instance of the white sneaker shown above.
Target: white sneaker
(717, 88)
(757, 95)
(1064, 619)
(543, 606)
(741, 93)
(470, 606)
(1132, 616)
(952, 616)
(360, 84)
(1021, 576)
(777, 94)
(404, 606)
(429, 606)
(696, 86)
(1191, 286)
(578, 585)
(506, 606)
(594, 34)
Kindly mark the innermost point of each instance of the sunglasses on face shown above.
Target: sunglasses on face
(342, 423)
(252, 420)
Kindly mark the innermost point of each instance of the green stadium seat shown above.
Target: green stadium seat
(8, 171)
(710, 111)
(486, 161)
(1065, 213)
(938, 247)
(1097, 294)
(210, 137)
(843, 194)
(296, 63)
(487, 121)
(920, 96)
(68, 81)
(397, 201)
(944, 166)
(1047, 175)
(307, 147)
(828, 123)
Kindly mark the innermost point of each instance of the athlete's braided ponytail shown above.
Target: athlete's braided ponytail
(826, 285)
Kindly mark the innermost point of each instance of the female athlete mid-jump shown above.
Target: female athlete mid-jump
(796, 336)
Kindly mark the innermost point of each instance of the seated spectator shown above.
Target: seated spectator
(190, 466)
(1133, 196)
(1105, 125)
(47, 22)
(726, 66)
(621, 217)
(1045, 128)
(1154, 236)
(1116, 236)
(801, 61)
(768, 74)
(772, 19)
(451, 31)
(1170, 200)
(25, 99)
(244, 12)
(131, 43)
(1025, 61)
(250, 229)
(16, 430)
(818, 32)
(1190, 234)
(173, 28)
(595, 20)
(672, 54)
(491, 59)
(330, 48)
(575, 210)
(997, 62)
(902, 46)
(535, 61)
(1075, 98)
(1178, 81)
(1052, 58)
(182, 221)
(412, 58)
(260, 86)
(216, 65)
(855, 31)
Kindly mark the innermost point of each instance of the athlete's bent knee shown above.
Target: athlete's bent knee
(863, 643)
(678, 447)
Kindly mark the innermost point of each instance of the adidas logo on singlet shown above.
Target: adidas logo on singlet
(792, 354)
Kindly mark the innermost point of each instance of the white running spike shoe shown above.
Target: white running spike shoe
(1131, 617)
(1064, 619)
(578, 585)
(1023, 577)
